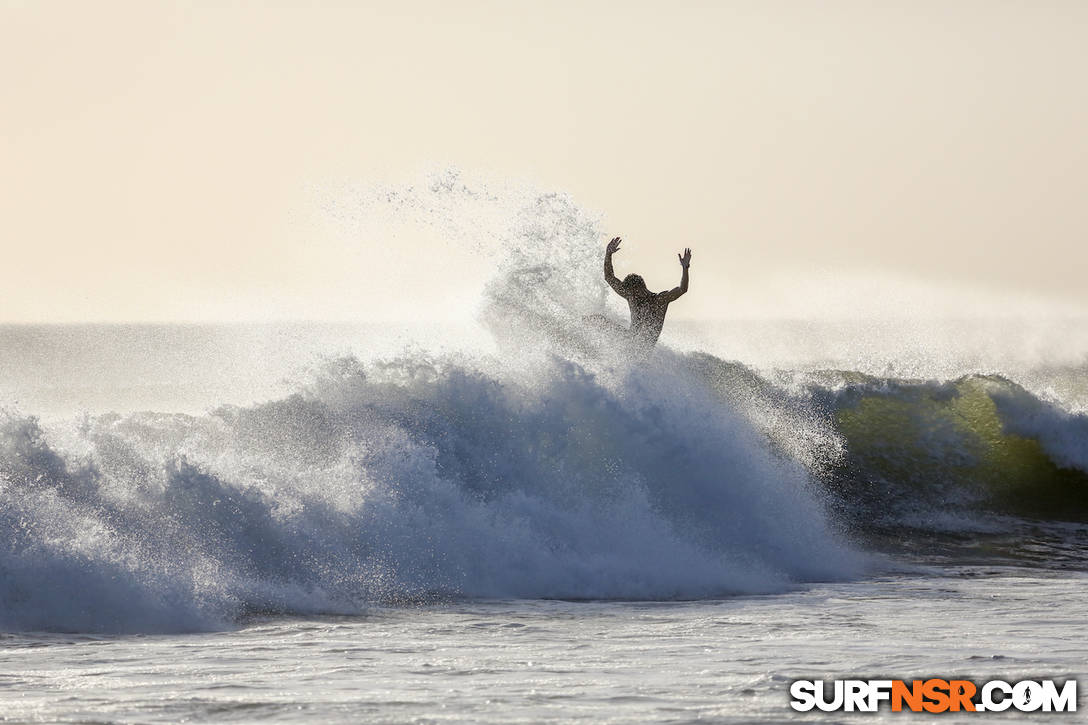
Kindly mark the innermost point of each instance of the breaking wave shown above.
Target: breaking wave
(978, 443)
(557, 468)
(404, 481)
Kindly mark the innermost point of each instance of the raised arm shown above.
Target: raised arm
(609, 273)
(676, 292)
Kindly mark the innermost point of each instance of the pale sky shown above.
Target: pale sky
(157, 160)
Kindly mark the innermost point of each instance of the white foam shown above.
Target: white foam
(405, 480)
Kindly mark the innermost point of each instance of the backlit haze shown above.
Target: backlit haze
(174, 162)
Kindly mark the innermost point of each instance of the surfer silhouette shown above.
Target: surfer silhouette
(647, 308)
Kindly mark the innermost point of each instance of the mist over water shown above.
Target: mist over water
(375, 466)
(166, 478)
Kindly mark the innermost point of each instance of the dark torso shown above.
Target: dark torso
(647, 317)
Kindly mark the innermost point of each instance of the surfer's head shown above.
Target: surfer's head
(634, 284)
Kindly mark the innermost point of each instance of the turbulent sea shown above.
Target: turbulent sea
(510, 522)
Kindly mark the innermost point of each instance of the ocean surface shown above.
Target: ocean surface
(511, 520)
(335, 523)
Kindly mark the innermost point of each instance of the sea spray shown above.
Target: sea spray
(552, 468)
(403, 481)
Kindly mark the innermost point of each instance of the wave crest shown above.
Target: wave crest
(404, 481)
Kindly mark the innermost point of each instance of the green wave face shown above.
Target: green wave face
(949, 444)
